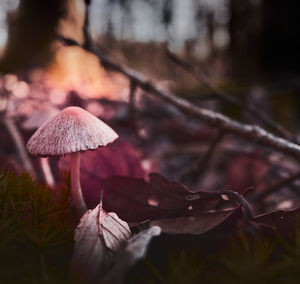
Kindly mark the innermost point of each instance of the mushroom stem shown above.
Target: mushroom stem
(75, 184)
(44, 162)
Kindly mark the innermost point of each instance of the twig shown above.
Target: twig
(87, 37)
(132, 90)
(132, 107)
(250, 108)
(278, 185)
(252, 132)
(19, 143)
(203, 163)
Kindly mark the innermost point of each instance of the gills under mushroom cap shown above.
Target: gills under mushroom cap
(71, 130)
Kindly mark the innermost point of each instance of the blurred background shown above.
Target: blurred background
(250, 41)
(247, 38)
(247, 48)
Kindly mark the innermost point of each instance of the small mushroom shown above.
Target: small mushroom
(71, 131)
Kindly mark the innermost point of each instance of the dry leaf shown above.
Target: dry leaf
(198, 224)
(285, 221)
(167, 204)
(97, 237)
(104, 249)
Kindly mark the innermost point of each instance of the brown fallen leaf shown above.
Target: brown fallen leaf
(285, 221)
(192, 225)
(170, 205)
(136, 200)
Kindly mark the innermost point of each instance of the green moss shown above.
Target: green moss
(36, 231)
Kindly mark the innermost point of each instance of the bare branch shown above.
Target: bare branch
(203, 164)
(250, 108)
(132, 107)
(248, 131)
(19, 143)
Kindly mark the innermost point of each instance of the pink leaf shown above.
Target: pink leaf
(104, 248)
(96, 237)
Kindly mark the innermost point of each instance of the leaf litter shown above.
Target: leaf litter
(105, 248)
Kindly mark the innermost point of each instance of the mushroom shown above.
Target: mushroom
(71, 131)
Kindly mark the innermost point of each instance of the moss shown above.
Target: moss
(36, 231)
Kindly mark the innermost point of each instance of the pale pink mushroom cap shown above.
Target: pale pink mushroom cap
(71, 130)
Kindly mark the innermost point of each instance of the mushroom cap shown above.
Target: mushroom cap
(72, 130)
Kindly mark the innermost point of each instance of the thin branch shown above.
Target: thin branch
(250, 108)
(248, 131)
(19, 143)
(202, 164)
(132, 91)
(276, 186)
(132, 107)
